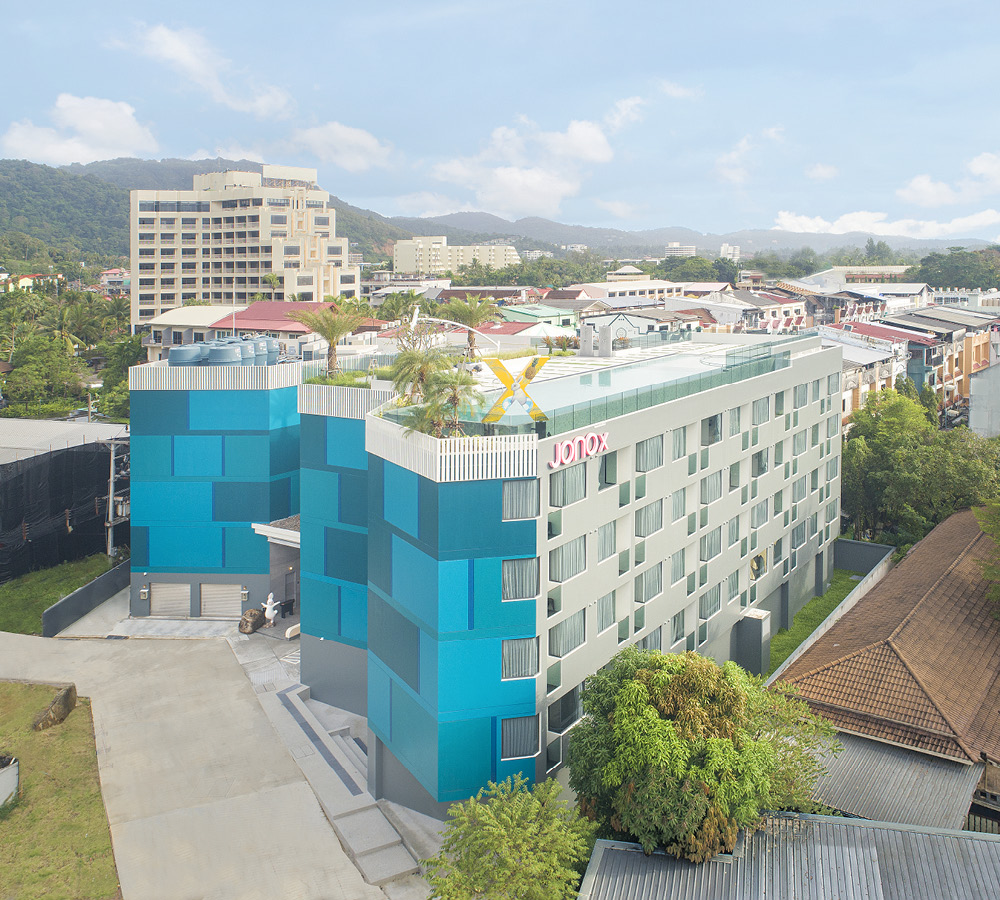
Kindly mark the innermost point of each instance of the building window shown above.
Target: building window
(568, 485)
(832, 426)
(711, 430)
(833, 383)
(799, 443)
(677, 566)
(520, 499)
(799, 489)
(607, 473)
(814, 480)
(711, 545)
(518, 737)
(813, 524)
(606, 541)
(519, 658)
(733, 586)
(778, 550)
(678, 439)
(649, 454)
(711, 487)
(734, 476)
(606, 611)
(649, 519)
(710, 603)
(567, 635)
(799, 535)
(734, 530)
(761, 410)
(815, 390)
(831, 511)
(814, 436)
(568, 560)
(759, 513)
(565, 711)
(652, 641)
(677, 628)
(519, 578)
(649, 583)
(800, 396)
(779, 502)
(758, 463)
(734, 422)
(758, 566)
(678, 504)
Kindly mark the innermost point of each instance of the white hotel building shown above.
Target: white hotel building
(221, 240)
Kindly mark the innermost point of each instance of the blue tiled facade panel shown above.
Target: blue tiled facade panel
(436, 625)
(206, 465)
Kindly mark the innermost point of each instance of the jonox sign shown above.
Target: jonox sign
(580, 447)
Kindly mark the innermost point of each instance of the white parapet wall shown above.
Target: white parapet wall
(160, 376)
(341, 402)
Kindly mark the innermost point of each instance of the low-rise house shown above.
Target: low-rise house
(631, 294)
(626, 326)
(575, 302)
(926, 353)
(535, 313)
(704, 288)
(870, 363)
(184, 325)
(626, 273)
(915, 664)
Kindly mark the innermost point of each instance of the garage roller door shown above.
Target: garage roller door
(172, 600)
(221, 601)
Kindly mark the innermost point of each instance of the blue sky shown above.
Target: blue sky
(875, 116)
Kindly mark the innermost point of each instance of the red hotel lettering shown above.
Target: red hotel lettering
(580, 447)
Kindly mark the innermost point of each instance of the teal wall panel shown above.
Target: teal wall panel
(379, 699)
(185, 547)
(464, 758)
(171, 501)
(197, 455)
(216, 411)
(246, 455)
(414, 736)
(345, 443)
(401, 498)
(245, 550)
(158, 412)
(354, 614)
(151, 456)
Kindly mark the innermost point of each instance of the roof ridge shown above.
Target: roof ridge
(838, 661)
(965, 552)
(958, 738)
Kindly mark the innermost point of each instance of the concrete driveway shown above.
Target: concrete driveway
(203, 798)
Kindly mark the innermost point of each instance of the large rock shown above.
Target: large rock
(251, 620)
(59, 708)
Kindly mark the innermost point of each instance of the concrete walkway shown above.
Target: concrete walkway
(203, 797)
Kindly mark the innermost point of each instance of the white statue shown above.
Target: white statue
(270, 610)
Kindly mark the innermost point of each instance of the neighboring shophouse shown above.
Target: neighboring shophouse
(457, 592)
(222, 241)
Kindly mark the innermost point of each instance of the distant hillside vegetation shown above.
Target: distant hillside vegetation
(67, 211)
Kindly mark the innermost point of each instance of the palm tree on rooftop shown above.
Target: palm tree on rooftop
(452, 391)
(332, 324)
(413, 368)
(472, 312)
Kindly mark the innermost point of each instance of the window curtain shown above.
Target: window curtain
(568, 560)
(606, 611)
(520, 499)
(761, 410)
(759, 513)
(679, 504)
(568, 485)
(710, 603)
(519, 657)
(800, 396)
(677, 566)
(519, 578)
(799, 535)
(833, 383)
(649, 584)
(607, 543)
(677, 628)
(832, 467)
(711, 487)
(798, 489)
(678, 439)
(711, 545)
(734, 530)
(519, 737)
(832, 426)
(567, 635)
(799, 443)
(652, 641)
(734, 422)
(649, 519)
(649, 454)
(733, 585)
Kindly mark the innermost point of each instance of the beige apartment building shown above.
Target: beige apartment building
(221, 241)
(420, 255)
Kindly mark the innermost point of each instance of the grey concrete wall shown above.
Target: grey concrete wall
(257, 585)
(284, 562)
(984, 402)
(389, 779)
(337, 674)
(84, 600)
(860, 556)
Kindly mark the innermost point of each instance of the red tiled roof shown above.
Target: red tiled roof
(270, 315)
(887, 333)
(917, 661)
(498, 328)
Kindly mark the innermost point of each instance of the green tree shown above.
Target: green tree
(512, 842)
(113, 402)
(413, 368)
(725, 270)
(929, 400)
(988, 517)
(959, 268)
(679, 752)
(472, 312)
(906, 388)
(330, 323)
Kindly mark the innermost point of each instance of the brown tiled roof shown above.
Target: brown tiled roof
(917, 661)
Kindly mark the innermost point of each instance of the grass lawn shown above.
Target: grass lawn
(810, 617)
(23, 600)
(55, 841)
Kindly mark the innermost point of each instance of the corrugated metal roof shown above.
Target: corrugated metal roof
(886, 783)
(24, 438)
(797, 857)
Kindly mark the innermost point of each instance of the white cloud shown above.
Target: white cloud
(924, 191)
(233, 151)
(775, 133)
(731, 166)
(821, 172)
(429, 203)
(678, 91)
(879, 223)
(86, 129)
(987, 167)
(515, 190)
(618, 208)
(624, 112)
(353, 149)
(187, 52)
(581, 140)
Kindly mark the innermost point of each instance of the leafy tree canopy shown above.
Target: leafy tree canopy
(959, 268)
(512, 842)
(679, 752)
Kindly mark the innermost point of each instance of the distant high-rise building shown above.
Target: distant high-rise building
(433, 255)
(221, 241)
(675, 248)
(730, 252)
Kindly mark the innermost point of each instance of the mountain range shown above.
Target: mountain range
(86, 207)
